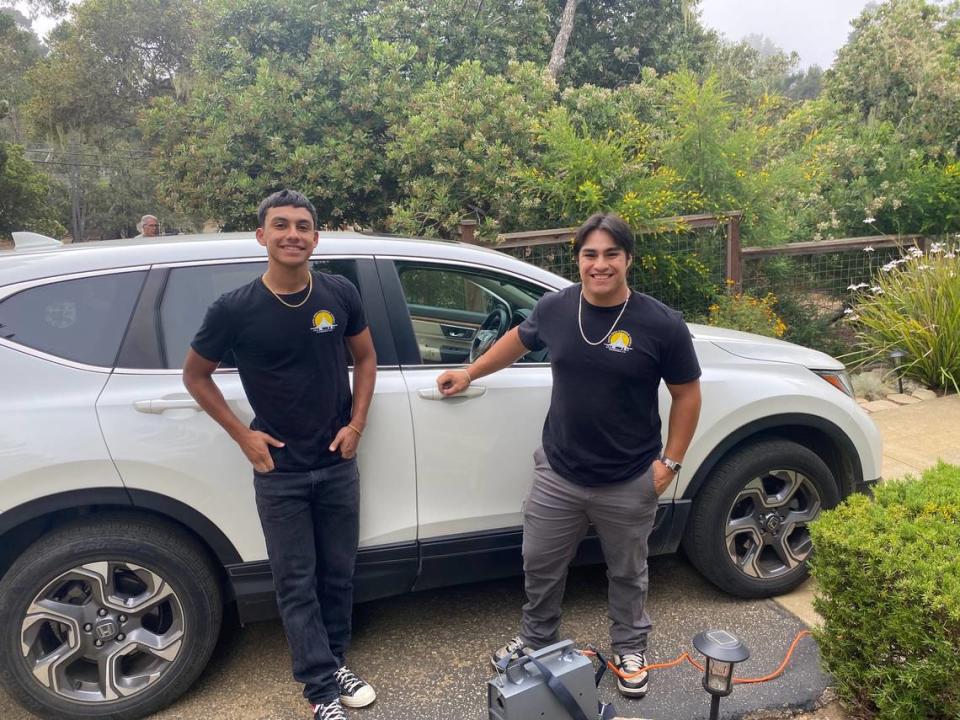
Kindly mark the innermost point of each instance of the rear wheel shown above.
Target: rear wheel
(748, 530)
(107, 619)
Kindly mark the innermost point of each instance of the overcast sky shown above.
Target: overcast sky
(815, 29)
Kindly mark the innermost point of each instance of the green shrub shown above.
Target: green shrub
(914, 306)
(888, 574)
(811, 323)
(748, 313)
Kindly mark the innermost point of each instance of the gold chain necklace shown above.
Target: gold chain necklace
(580, 320)
(263, 279)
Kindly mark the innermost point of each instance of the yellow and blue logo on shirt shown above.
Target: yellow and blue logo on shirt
(323, 322)
(620, 341)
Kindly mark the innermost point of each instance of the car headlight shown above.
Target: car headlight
(839, 379)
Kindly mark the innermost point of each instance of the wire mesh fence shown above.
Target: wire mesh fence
(827, 268)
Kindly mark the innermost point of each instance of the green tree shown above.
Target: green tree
(902, 65)
(457, 148)
(24, 195)
(315, 122)
(106, 61)
(613, 40)
(20, 49)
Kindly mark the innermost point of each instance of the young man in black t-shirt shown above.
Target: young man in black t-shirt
(601, 458)
(290, 331)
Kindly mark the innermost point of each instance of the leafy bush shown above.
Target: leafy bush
(810, 320)
(741, 311)
(914, 306)
(888, 573)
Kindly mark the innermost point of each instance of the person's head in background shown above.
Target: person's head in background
(149, 226)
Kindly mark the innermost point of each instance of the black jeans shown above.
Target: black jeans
(311, 524)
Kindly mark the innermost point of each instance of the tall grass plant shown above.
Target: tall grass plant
(913, 306)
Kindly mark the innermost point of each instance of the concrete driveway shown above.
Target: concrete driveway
(426, 653)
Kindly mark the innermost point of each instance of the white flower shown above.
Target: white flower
(857, 286)
(950, 255)
(869, 220)
(936, 248)
(889, 266)
(868, 249)
(914, 251)
(847, 311)
(877, 290)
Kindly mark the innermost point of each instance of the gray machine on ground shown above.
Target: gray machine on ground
(557, 682)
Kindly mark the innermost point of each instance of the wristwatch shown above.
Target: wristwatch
(672, 465)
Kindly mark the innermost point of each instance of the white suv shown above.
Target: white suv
(127, 518)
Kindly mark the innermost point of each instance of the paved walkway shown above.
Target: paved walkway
(915, 437)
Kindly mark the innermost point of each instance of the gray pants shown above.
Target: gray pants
(556, 515)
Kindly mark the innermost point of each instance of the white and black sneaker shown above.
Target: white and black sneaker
(513, 650)
(632, 664)
(354, 692)
(332, 710)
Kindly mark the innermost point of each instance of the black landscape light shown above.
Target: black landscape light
(897, 355)
(723, 650)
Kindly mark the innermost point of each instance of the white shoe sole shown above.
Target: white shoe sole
(361, 699)
(632, 692)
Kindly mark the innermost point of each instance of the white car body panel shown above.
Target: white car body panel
(42, 452)
(475, 454)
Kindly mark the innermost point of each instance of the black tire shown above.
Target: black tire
(747, 532)
(163, 576)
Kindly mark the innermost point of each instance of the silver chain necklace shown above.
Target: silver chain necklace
(580, 320)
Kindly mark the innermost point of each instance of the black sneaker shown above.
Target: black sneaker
(513, 649)
(632, 665)
(354, 692)
(332, 710)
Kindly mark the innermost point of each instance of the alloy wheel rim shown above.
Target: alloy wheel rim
(102, 631)
(766, 534)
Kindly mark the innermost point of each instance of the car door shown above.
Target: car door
(163, 444)
(474, 452)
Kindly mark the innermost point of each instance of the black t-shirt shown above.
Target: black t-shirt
(292, 362)
(603, 425)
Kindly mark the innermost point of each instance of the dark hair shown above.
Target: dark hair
(613, 224)
(285, 198)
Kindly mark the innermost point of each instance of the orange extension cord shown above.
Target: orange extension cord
(685, 656)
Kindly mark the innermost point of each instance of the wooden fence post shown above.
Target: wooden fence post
(468, 227)
(734, 253)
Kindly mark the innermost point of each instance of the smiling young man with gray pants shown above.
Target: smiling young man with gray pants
(601, 459)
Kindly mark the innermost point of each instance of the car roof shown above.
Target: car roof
(35, 263)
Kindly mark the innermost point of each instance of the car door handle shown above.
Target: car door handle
(159, 405)
(434, 394)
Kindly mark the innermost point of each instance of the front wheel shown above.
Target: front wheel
(107, 619)
(748, 530)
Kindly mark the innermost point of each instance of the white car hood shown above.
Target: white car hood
(757, 347)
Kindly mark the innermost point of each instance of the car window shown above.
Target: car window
(82, 320)
(449, 304)
(191, 290)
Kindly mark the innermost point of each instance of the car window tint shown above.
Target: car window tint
(448, 304)
(82, 320)
(191, 290)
